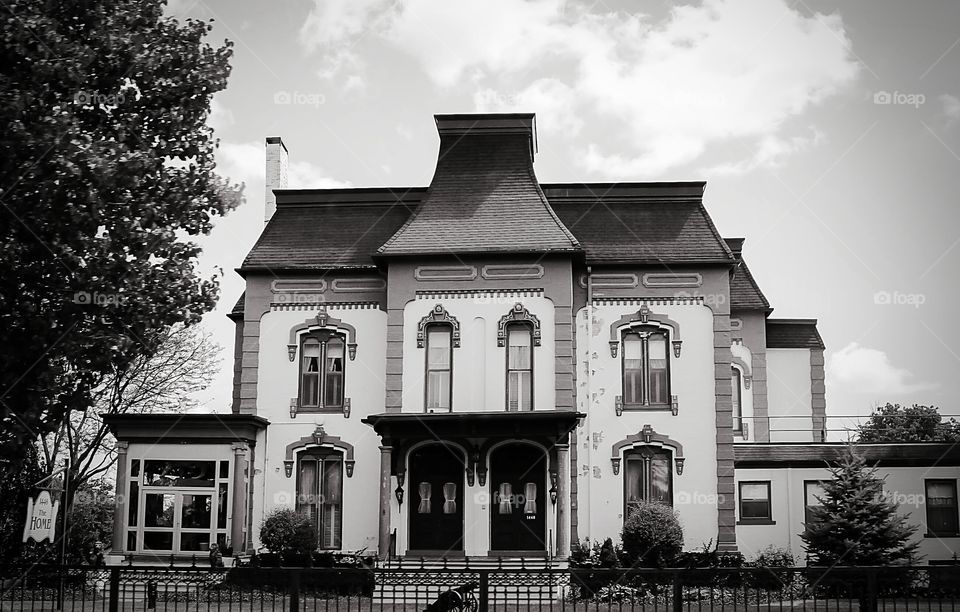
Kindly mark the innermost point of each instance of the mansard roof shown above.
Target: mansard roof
(745, 293)
(650, 223)
(793, 333)
(330, 228)
(484, 197)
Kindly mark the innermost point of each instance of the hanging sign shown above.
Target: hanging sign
(41, 521)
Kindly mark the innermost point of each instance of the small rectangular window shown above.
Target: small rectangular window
(942, 517)
(812, 489)
(755, 501)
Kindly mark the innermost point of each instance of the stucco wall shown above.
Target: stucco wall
(789, 395)
(692, 381)
(905, 484)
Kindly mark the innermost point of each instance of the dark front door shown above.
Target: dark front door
(518, 508)
(436, 498)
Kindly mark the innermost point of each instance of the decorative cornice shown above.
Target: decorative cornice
(479, 295)
(518, 314)
(694, 300)
(322, 321)
(319, 438)
(644, 316)
(438, 315)
(355, 305)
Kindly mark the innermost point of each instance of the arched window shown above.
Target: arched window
(519, 367)
(646, 367)
(321, 371)
(320, 493)
(647, 477)
(736, 384)
(439, 366)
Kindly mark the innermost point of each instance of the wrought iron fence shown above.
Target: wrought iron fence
(115, 589)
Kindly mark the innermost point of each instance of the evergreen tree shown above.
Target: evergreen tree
(856, 524)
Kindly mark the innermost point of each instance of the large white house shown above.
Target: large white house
(492, 366)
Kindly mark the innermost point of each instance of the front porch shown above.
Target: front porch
(477, 486)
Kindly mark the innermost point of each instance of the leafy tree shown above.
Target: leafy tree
(856, 524)
(16, 482)
(106, 174)
(185, 362)
(896, 423)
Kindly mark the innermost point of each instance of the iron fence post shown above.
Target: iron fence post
(484, 586)
(295, 591)
(677, 593)
(871, 590)
(114, 603)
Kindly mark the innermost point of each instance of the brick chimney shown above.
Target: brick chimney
(276, 174)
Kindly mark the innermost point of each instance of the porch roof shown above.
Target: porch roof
(180, 428)
(553, 424)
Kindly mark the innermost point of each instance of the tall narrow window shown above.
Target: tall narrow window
(439, 361)
(647, 477)
(319, 494)
(942, 517)
(646, 367)
(735, 384)
(519, 368)
(321, 371)
(812, 489)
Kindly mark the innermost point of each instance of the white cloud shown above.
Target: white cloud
(708, 75)
(220, 116)
(951, 108)
(246, 162)
(860, 369)
(770, 152)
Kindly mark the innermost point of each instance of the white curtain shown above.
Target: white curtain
(530, 493)
(506, 498)
(449, 498)
(425, 490)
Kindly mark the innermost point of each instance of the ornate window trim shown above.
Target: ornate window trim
(745, 370)
(438, 315)
(646, 437)
(644, 316)
(518, 314)
(322, 321)
(318, 438)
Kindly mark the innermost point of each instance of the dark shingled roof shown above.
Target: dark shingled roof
(745, 294)
(639, 222)
(805, 454)
(237, 311)
(330, 228)
(793, 333)
(484, 196)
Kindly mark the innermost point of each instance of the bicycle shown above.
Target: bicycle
(459, 599)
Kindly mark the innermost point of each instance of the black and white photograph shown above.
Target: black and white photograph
(487, 305)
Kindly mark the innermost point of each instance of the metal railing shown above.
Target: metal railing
(115, 589)
(808, 428)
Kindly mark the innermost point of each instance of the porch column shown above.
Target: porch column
(239, 516)
(384, 532)
(120, 506)
(563, 501)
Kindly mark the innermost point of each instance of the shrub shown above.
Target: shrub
(287, 532)
(774, 556)
(652, 535)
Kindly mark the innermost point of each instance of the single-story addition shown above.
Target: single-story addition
(492, 366)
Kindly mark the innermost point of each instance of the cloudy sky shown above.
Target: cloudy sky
(828, 134)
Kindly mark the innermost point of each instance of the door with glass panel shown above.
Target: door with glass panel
(436, 504)
(518, 509)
